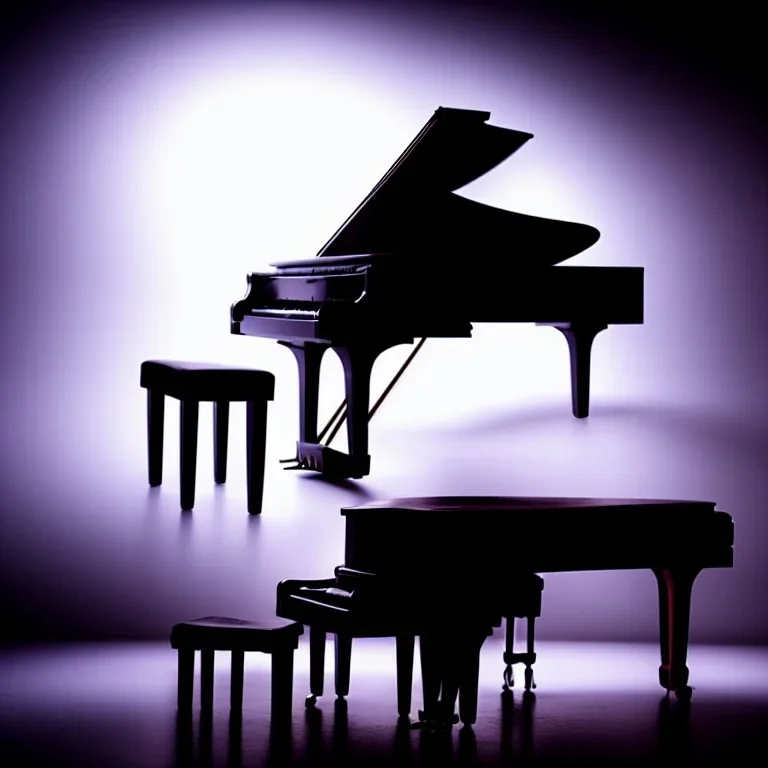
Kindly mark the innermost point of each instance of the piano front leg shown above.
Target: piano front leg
(309, 356)
(579, 337)
(675, 587)
(317, 637)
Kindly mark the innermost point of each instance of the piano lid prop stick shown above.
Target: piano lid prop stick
(336, 414)
(376, 405)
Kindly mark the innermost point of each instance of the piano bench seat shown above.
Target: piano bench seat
(276, 637)
(191, 383)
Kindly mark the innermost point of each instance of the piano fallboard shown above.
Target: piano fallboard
(486, 538)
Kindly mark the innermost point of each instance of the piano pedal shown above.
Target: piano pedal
(329, 462)
(310, 701)
(434, 723)
(509, 679)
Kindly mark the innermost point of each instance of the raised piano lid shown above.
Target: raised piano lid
(412, 210)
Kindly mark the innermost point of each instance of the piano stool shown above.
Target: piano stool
(276, 637)
(191, 383)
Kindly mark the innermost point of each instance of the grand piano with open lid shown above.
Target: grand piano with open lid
(415, 260)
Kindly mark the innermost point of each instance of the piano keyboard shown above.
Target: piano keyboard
(309, 314)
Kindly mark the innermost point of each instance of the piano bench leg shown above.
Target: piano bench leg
(237, 675)
(282, 685)
(186, 679)
(189, 411)
(206, 680)
(256, 445)
(155, 426)
(220, 440)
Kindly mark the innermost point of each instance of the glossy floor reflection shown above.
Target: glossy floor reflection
(114, 705)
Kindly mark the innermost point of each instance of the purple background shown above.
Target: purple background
(153, 154)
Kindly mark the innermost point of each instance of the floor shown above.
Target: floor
(114, 705)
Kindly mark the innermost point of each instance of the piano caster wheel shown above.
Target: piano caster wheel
(684, 694)
(310, 701)
(529, 679)
(509, 679)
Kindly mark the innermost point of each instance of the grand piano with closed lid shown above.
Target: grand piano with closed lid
(441, 568)
(416, 260)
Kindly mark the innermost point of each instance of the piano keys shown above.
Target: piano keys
(415, 260)
(439, 568)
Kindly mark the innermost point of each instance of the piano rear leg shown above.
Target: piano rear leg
(317, 638)
(579, 337)
(675, 588)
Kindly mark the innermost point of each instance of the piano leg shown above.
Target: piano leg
(579, 337)
(450, 662)
(342, 644)
(469, 678)
(316, 664)
(309, 356)
(404, 654)
(429, 651)
(675, 587)
(358, 363)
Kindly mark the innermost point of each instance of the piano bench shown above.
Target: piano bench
(191, 383)
(276, 637)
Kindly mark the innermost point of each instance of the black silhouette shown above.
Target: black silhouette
(191, 383)
(275, 637)
(389, 275)
(421, 566)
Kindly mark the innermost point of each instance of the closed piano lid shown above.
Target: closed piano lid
(504, 504)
